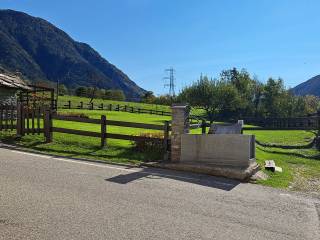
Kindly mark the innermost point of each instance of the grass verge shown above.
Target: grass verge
(297, 164)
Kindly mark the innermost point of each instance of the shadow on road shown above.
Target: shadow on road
(203, 180)
(154, 173)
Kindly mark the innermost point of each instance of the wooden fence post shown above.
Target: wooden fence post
(23, 120)
(6, 118)
(53, 104)
(33, 114)
(165, 140)
(19, 119)
(38, 119)
(12, 117)
(103, 131)
(69, 104)
(1, 116)
(48, 126)
(203, 126)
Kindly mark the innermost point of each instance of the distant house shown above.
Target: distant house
(10, 84)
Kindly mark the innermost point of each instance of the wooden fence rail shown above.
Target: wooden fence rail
(298, 126)
(103, 134)
(114, 107)
(37, 120)
(297, 123)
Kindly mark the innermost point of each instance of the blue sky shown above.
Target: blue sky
(270, 38)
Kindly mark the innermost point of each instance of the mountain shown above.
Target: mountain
(310, 87)
(43, 52)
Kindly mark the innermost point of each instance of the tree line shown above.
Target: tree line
(236, 94)
(90, 92)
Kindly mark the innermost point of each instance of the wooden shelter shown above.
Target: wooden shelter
(13, 88)
(11, 81)
(10, 84)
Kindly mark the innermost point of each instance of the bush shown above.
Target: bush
(151, 142)
(116, 95)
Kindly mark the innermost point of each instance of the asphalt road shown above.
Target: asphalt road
(43, 197)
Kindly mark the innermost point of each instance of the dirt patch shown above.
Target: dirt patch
(302, 182)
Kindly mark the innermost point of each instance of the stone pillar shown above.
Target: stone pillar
(179, 126)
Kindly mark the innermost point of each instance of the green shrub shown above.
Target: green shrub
(151, 142)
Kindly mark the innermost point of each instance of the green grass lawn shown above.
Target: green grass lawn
(301, 167)
(75, 101)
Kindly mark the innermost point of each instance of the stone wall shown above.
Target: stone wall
(7, 96)
(179, 126)
(232, 150)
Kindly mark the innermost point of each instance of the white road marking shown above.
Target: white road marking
(31, 154)
(102, 165)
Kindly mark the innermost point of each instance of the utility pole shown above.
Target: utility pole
(171, 84)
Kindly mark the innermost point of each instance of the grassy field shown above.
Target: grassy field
(75, 101)
(301, 167)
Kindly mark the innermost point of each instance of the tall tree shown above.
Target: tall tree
(81, 92)
(211, 95)
(248, 88)
(117, 95)
(148, 97)
(62, 90)
(275, 98)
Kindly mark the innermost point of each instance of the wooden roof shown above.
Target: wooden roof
(9, 80)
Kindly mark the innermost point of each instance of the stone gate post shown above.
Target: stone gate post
(179, 126)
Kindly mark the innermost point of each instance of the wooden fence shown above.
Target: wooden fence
(8, 117)
(114, 107)
(303, 123)
(37, 120)
(23, 119)
(103, 134)
(297, 123)
(30, 120)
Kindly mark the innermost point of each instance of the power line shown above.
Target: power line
(171, 84)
